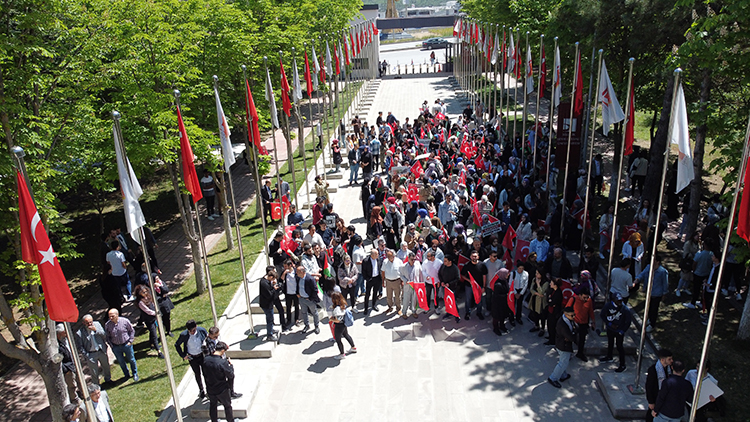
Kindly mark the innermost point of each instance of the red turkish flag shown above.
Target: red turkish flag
(462, 260)
(421, 291)
(578, 98)
(743, 219)
(276, 210)
(543, 73)
(287, 243)
(413, 192)
(567, 290)
(37, 249)
(512, 297)
(188, 168)
(476, 289)
(510, 235)
(375, 29)
(629, 230)
(522, 250)
(491, 285)
(450, 302)
(286, 104)
(252, 119)
(475, 212)
(417, 169)
(308, 77)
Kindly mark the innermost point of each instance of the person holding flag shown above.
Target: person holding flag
(520, 282)
(449, 277)
(500, 311)
(474, 276)
(411, 273)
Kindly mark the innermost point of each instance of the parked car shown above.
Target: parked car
(435, 43)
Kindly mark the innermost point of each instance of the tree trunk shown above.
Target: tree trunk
(696, 186)
(652, 186)
(743, 332)
(300, 130)
(653, 126)
(188, 226)
(222, 197)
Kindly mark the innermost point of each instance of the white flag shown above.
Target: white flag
(315, 61)
(511, 55)
(271, 100)
(329, 67)
(342, 61)
(297, 88)
(556, 80)
(131, 190)
(681, 137)
(611, 111)
(529, 71)
(486, 45)
(224, 134)
(495, 49)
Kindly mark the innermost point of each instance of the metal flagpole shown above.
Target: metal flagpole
(289, 151)
(591, 157)
(494, 76)
(616, 184)
(18, 154)
(515, 87)
(503, 85)
(204, 253)
(570, 137)
(636, 388)
(538, 101)
(507, 74)
(255, 153)
(325, 118)
(715, 301)
(551, 126)
(309, 111)
(302, 153)
(245, 282)
(275, 150)
(525, 103)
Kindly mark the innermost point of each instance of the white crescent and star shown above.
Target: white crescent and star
(48, 256)
(35, 222)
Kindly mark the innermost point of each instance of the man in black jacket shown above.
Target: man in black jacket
(219, 374)
(188, 346)
(655, 377)
(675, 391)
(268, 298)
(449, 276)
(616, 317)
(564, 339)
(267, 195)
(371, 267)
(558, 267)
(307, 291)
(69, 369)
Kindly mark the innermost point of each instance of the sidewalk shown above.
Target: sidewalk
(22, 390)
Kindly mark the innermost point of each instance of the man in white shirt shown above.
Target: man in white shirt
(310, 262)
(391, 275)
(119, 267)
(519, 279)
(621, 280)
(209, 194)
(312, 238)
(430, 269)
(411, 272)
(358, 255)
(100, 400)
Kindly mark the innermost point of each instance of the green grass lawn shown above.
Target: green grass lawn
(144, 400)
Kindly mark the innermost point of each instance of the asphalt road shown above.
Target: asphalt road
(406, 53)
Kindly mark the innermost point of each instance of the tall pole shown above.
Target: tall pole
(538, 100)
(504, 85)
(588, 100)
(289, 149)
(616, 184)
(303, 152)
(570, 137)
(636, 388)
(310, 116)
(325, 119)
(275, 149)
(204, 253)
(715, 301)
(238, 231)
(515, 86)
(591, 158)
(256, 174)
(495, 109)
(525, 101)
(555, 64)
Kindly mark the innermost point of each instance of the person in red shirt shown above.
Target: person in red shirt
(584, 308)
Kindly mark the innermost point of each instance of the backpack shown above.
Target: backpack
(348, 318)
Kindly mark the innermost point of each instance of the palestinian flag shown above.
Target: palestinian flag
(327, 268)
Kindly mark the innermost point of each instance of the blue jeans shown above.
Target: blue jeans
(562, 366)
(124, 355)
(269, 320)
(359, 286)
(353, 172)
(469, 299)
(662, 418)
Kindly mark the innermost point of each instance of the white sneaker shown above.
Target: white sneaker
(210, 218)
(351, 351)
(215, 215)
(738, 297)
(649, 329)
(339, 357)
(677, 292)
(601, 256)
(724, 292)
(689, 305)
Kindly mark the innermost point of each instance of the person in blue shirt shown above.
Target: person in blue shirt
(375, 151)
(294, 216)
(660, 288)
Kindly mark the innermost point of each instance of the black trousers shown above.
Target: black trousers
(612, 338)
(697, 288)
(351, 293)
(375, 161)
(292, 301)
(280, 310)
(430, 289)
(210, 200)
(551, 326)
(196, 362)
(340, 330)
(653, 310)
(226, 401)
(372, 286)
(581, 333)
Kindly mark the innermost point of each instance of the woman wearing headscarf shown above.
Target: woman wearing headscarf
(523, 232)
(634, 250)
(376, 223)
(499, 310)
(423, 222)
(411, 215)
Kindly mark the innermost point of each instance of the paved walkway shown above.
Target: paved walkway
(22, 389)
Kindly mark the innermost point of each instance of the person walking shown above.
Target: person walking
(120, 336)
(553, 310)
(91, 341)
(616, 318)
(341, 317)
(147, 307)
(673, 394)
(209, 193)
(566, 330)
(537, 302)
(584, 319)
(268, 298)
(660, 288)
(290, 294)
(655, 376)
(307, 292)
(219, 375)
(188, 346)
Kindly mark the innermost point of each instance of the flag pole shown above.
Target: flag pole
(245, 281)
(591, 156)
(289, 152)
(309, 113)
(324, 118)
(275, 150)
(504, 86)
(551, 124)
(204, 253)
(256, 174)
(494, 74)
(525, 103)
(715, 301)
(302, 153)
(538, 100)
(570, 137)
(515, 89)
(636, 388)
(616, 185)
